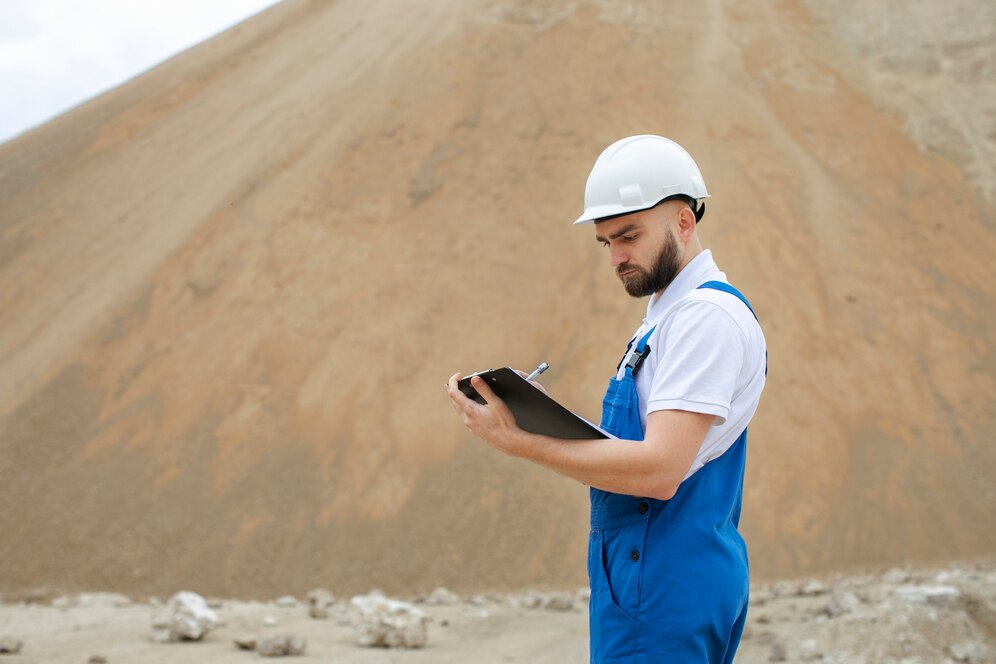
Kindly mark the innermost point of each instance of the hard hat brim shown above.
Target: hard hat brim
(599, 212)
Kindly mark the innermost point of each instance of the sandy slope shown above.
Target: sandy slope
(231, 288)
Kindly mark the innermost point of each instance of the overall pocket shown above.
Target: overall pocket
(615, 568)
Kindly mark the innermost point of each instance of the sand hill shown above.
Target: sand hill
(231, 289)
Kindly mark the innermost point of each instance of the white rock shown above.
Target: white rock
(287, 602)
(103, 599)
(531, 600)
(970, 651)
(442, 597)
(813, 587)
(388, 623)
(185, 617)
(841, 603)
(280, 646)
(896, 576)
(320, 601)
(269, 621)
(942, 596)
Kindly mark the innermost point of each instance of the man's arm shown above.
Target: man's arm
(652, 468)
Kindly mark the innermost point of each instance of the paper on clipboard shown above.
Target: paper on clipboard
(534, 411)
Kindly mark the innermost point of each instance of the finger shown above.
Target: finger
(485, 391)
(460, 400)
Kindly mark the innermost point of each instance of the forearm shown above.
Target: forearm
(620, 466)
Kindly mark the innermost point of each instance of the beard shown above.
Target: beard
(662, 272)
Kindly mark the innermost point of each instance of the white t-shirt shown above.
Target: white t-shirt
(708, 355)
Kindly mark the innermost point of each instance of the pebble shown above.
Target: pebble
(281, 646)
(970, 651)
(442, 597)
(319, 602)
(940, 596)
(10, 645)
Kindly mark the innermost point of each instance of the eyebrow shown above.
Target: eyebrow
(619, 233)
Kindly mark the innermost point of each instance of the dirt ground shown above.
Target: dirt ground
(913, 616)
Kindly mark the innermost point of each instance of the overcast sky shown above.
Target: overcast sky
(55, 54)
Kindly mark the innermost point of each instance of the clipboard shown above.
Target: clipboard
(534, 411)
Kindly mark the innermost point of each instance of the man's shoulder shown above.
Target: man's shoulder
(708, 307)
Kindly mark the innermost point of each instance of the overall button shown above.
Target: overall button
(643, 508)
(635, 555)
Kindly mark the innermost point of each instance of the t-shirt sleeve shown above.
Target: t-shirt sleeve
(700, 356)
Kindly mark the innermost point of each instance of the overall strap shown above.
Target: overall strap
(727, 288)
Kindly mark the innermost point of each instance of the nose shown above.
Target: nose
(617, 257)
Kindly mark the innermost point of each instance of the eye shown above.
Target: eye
(604, 243)
(628, 238)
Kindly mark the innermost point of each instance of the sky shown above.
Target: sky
(55, 54)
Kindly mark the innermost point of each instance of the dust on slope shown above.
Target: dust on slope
(359, 200)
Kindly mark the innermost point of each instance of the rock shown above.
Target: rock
(103, 600)
(64, 602)
(970, 651)
(215, 603)
(762, 619)
(777, 653)
(287, 602)
(269, 621)
(896, 576)
(810, 649)
(388, 623)
(531, 600)
(760, 597)
(812, 588)
(941, 596)
(559, 602)
(280, 646)
(442, 597)
(97, 659)
(477, 600)
(841, 603)
(583, 595)
(185, 617)
(245, 642)
(9, 645)
(319, 603)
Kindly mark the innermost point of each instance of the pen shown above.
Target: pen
(540, 369)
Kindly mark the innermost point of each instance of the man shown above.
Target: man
(667, 566)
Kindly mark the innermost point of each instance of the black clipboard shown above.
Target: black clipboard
(534, 411)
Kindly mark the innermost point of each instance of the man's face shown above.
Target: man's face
(643, 250)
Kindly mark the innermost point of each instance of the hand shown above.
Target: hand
(492, 423)
(534, 383)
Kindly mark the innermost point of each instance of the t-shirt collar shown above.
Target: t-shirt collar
(699, 270)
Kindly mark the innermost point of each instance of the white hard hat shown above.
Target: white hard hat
(637, 173)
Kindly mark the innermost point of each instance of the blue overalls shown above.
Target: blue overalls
(669, 578)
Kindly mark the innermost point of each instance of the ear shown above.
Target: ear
(686, 223)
